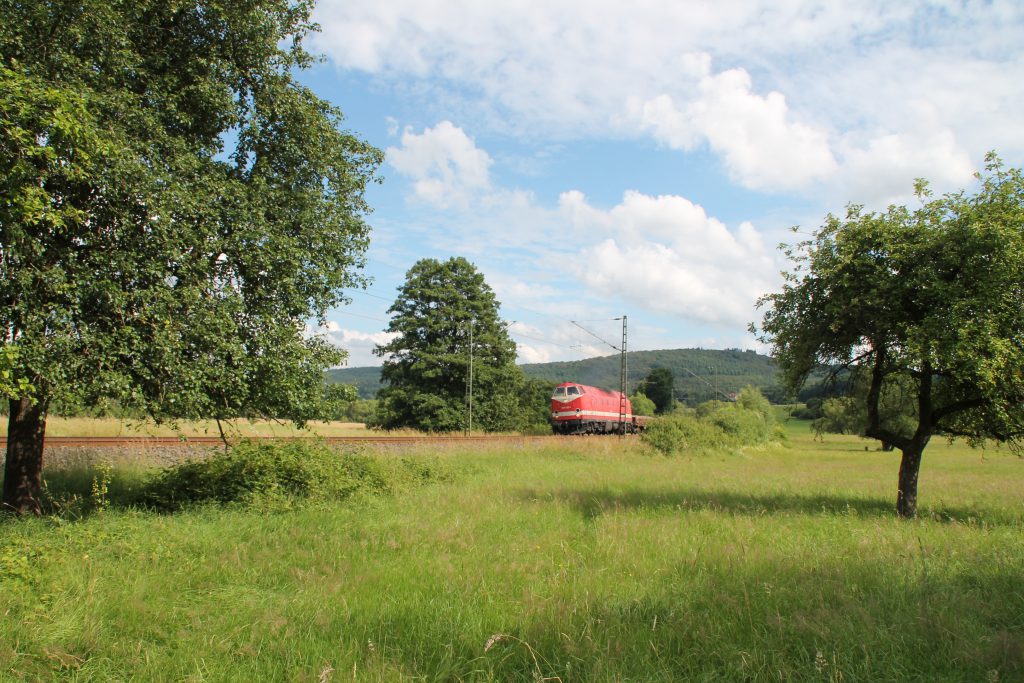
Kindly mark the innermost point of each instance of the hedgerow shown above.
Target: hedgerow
(284, 474)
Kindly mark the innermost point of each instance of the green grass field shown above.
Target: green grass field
(589, 560)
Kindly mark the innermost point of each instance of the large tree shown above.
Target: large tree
(445, 321)
(659, 386)
(174, 207)
(929, 300)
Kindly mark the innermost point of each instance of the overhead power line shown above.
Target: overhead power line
(358, 315)
(543, 341)
(595, 336)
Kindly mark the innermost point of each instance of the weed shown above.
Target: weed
(100, 487)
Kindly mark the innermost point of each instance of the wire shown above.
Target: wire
(543, 341)
(357, 315)
(595, 336)
(375, 296)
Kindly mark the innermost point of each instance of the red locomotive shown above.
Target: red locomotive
(579, 409)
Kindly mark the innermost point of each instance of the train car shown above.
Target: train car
(579, 409)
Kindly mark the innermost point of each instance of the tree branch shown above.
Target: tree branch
(941, 413)
(875, 430)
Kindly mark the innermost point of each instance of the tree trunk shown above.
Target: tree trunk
(910, 466)
(23, 469)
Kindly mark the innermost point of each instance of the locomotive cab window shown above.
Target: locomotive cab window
(572, 391)
(559, 392)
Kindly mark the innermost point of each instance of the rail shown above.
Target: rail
(168, 441)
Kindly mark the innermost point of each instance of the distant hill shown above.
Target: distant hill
(697, 372)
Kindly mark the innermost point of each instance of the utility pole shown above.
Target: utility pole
(622, 382)
(469, 388)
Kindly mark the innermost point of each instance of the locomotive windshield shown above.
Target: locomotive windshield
(566, 392)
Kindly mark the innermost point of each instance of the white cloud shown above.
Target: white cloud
(553, 342)
(881, 172)
(760, 144)
(667, 255)
(762, 147)
(445, 165)
(802, 91)
(358, 344)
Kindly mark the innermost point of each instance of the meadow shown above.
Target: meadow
(588, 559)
(110, 426)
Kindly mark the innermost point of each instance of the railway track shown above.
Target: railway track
(169, 441)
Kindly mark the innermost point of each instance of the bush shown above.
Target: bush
(750, 398)
(683, 432)
(360, 410)
(282, 474)
(714, 425)
(811, 410)
(641, 404)
(748, 421)
(741, 426)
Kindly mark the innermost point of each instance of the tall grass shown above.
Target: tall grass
(588, 560)
(111, 426)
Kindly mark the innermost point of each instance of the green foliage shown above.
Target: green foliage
(926, 302)
(708, 408)
(659, 386)
(359, 410)
(75, 491)
(11, 385)
(683, 432)
(897, 405)
(750, 420)
(446, 321)
(641, 404)
(174, 207)
(741, 426)
(715, 425)
(535, 406)
(282, 474)
(749, 398)
(811, 410)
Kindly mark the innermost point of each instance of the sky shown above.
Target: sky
(598, 159)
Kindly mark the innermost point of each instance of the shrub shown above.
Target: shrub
(750, 420)
(683, 432)
(641, 404)
(705, 409)
(750, 398)
(741, 426)
(715, 424)
(810, 411)
(281, 474)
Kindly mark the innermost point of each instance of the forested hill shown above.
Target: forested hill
(697, 372)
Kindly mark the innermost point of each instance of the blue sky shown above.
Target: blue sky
(602, 158)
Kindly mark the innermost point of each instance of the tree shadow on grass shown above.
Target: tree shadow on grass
(593, 503)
